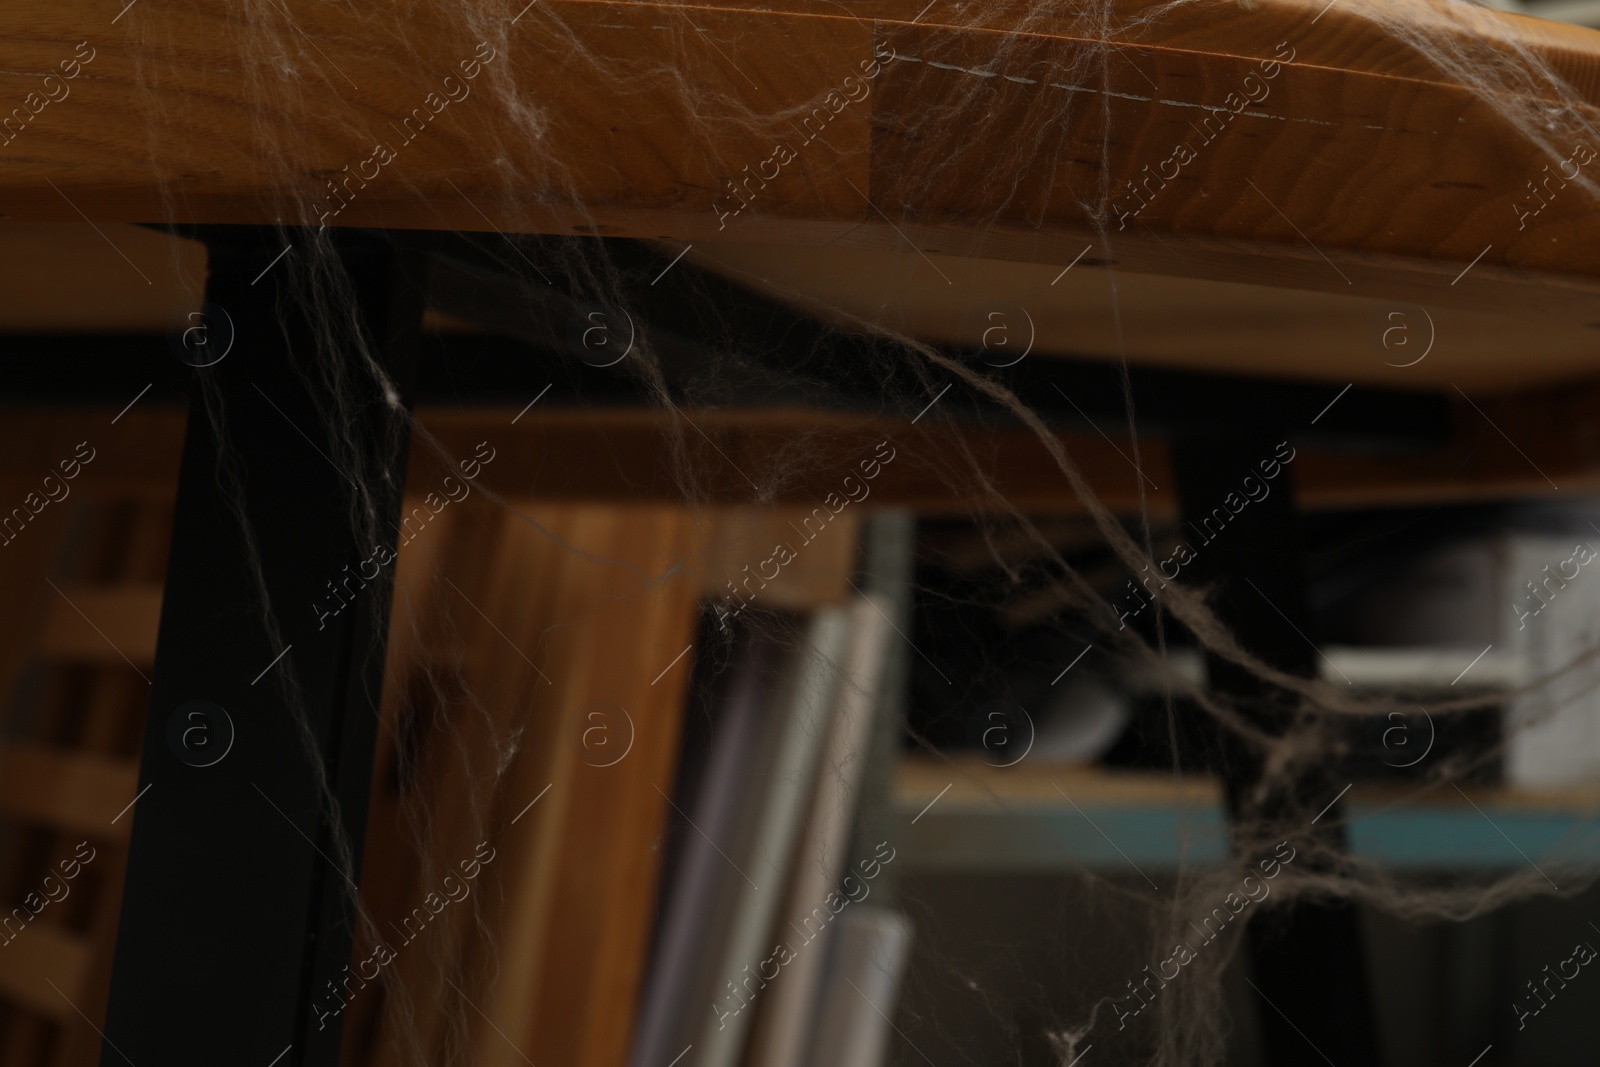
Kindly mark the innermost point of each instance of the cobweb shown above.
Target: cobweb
(481, 76)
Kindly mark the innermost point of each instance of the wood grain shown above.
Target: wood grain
(623, 651)
(1098, 310)
(1367, 169)
(514, 629)
(69, 278)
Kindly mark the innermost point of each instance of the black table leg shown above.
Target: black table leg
(1308, 962)
(246, 841)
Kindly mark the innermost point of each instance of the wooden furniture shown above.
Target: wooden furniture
(67, 783)
(940, 165)
(1022, 819)
(1419, 178)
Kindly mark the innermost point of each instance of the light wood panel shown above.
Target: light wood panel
(1096, 311)
(71, 278)
(512, 629)
(743, 539)
(986, 134)
(624, 649)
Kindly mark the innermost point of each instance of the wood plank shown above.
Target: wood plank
(38, 956)
(27, 598)
(1258, 190)
(1103, 312)
(973, 783)
(586, 455)
(1542, 446)
(108, 625)
(1014, 819)
(417, 674)
(61, 278)
(74, 792)
(822, 552)
(491, 598)
(622, 653)
(112, 726)
(1415, 173)
(1093, 311)
(25, 1036)
(137, 458)
(553, 609)
(595, 456)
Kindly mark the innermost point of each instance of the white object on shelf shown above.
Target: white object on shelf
(1440, 668)
(862, 987)
(1367, 667)
(788, 1005)
(1551, 617)
(1083, 719)
(778, 807)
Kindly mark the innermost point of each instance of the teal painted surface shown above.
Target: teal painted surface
(1155, 838)
(1462, 837)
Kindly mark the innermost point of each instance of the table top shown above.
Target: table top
(1359, 166)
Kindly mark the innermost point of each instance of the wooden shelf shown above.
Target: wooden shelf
(589, 455)
(1044, 818)
(1374, 668)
